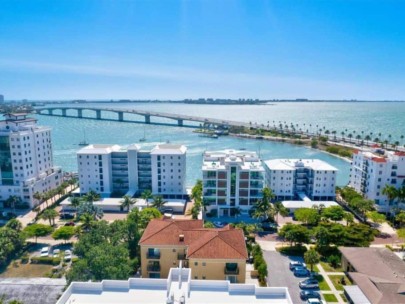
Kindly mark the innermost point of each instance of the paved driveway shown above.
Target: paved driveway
(280, 274)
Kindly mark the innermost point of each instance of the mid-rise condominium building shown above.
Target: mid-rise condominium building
(26, 160)
(231, 180)
(211, 253)
(292, 179)
(372, 170)
(109, 169)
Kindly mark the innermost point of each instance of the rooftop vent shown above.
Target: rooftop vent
(181, 237)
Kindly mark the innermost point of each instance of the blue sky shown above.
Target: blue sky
(165, 49)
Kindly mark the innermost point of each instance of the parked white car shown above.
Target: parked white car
(68, 255)
(56, 253)
(44, 252)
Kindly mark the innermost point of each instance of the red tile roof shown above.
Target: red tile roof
(400, 153)
(207, 243)
(379, 160)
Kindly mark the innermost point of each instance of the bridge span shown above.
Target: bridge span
(147, 115)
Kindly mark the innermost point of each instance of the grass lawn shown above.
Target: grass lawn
(328, 268)
(336, 281)
(26, 270)
(342, 295)
(316, 269)
(323, 285)
(330, 298)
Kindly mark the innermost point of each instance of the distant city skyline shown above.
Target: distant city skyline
(279, 49)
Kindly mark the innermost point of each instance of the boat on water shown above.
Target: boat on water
(84, 141)
(210, 135)
(143, 139)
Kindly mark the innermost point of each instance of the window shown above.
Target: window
(195, 263)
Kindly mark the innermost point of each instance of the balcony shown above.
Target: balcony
(154, 267)
(181, 256)
(231, 268)
(153, 255)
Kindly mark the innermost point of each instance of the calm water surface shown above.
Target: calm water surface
(387, 118)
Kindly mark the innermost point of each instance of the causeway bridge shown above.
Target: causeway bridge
(124, 115)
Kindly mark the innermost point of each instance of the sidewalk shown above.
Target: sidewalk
(333, 290)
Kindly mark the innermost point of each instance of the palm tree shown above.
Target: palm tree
(350, 135)
(50, 215)
(127, 202)
(367, 138)
(279, 209)
(158, 202)
(87, 221)
(38, 196)
(391, 192)
(75, 201)
(92, 196)
(147, 195)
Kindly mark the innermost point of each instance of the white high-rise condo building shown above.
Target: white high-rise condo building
(111, 169)
(26, 161)
(292, 179)
(231, 180)
(372, 170)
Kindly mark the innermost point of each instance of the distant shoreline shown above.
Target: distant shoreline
(201, 101)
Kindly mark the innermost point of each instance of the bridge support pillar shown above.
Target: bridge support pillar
(50, 111)
(147, 119)
(120, 116)
(80, 113)
(98, 114)
(180, 122)
(63, 112)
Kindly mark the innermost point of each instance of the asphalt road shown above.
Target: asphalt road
(280, 274)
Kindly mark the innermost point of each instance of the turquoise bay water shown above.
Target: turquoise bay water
(367, 117)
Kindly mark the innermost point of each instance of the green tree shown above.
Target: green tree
(400, 218)
(308, 216)
(127, 202)
(14, 224)
(362, 205)
(87, 221)
(11, 243)
(391, 192)
(63, 233)
(39, 197)
(75, 201)
(311, 257)
(376, 217)
(92, 196)
(146, 215)
(87, 207)
(50, 215)
(147, 195)
(263, 207)
(37, 230)
(208, 225)
(295, 234)
(334, 213)
(279, 209)
(158, 202)
(401, 233)
(349, 218)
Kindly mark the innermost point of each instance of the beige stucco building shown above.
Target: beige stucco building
(212, 254)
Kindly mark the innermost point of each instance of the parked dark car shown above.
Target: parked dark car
(301, 272)
(309, 294)
(294, 264)
(70, 224)
(309, 284)
(66, 215)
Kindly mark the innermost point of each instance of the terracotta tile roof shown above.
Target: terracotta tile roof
(400, 153)
(379, 159)
(208, 243)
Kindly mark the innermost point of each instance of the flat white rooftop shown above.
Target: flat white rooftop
(292, 164)
(171, 290)
(308, 204)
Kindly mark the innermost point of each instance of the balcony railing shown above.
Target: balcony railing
(181, 256)
(153, 255)
(231, 270)
(153, 268)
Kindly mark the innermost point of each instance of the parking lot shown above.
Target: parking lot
(280, 274)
